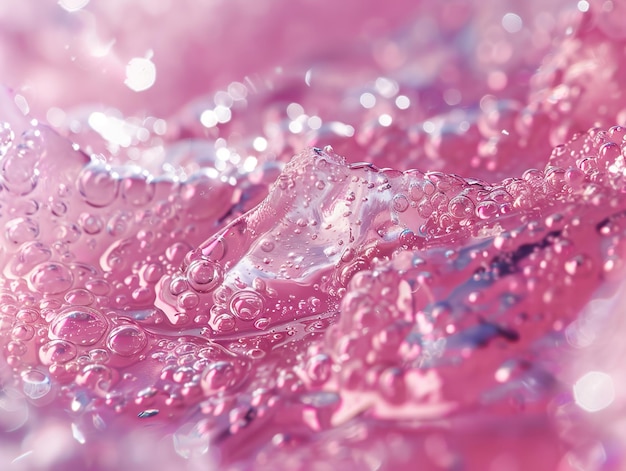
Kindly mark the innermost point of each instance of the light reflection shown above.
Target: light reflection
(73, 5)
(342, 129)
(296, 127)
(594, 391)
(55, 116)
(140, 74)
(386, 87)
(295, 110)
(222, 153)
(222, 113)
(429, 127)
(237, 91)
(314, 122)
(208, 118)
(250, 163)
(78, 435)
(160, 127)
(385, 120)
(403, 102)
(367, 100)
(22, 457)
(259, 144)
(512, 23)
(22, 104)
(223, 99)
(452, 96)
(114, 130)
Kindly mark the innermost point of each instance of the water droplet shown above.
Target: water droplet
(318, 368)
(18, 170)
(21, 230)
(178, 285)
(461, 207)
(6, 137)
(79, 297)
(247, 305)
(416, 192)
(98, 287)
(22, 332)
(223, 376)
(188, 300)
(224, 323)
(97, 186)
(82, 326)
(137, 190)
(35, 384)
(91, 223)
(400, 203)
(487, 209)
(27, 315)
(262, 323)
(204, 275)
(51, 278)
(127, 340)
(267, 245)
(176, 252)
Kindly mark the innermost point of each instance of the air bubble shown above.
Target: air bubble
(188, 300)
(21, 230)
(204, 275)
(98, 287)
(22, 332)
(127, 340)
(176, 252)
(487, 209)
(400, 203)
(6, 137)
(262, 323)
(318, 368)
(224, 323)
(81, 326)
(79, 297)
(247, 305)
(51, 278)
(461, 207)
(97, 186)
(137, 190)
(91, 223)
(222, 376)
(35, 384)
(416, 192)
(178, 286)
(18, 170)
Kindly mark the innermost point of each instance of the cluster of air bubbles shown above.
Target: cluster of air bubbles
(157, 267)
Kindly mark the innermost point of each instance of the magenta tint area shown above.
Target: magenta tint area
(312, 235)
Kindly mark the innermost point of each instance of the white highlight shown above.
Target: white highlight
(73, 5)
(403, 102)
(512, 23)
(594, 391)
(259, 144)
(140, 74)
(367, 100)
(385, 120)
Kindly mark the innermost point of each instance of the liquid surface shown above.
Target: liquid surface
(385, 237)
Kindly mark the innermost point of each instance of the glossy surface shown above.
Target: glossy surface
(218, 253)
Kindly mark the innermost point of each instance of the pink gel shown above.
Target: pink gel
(215, 286)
